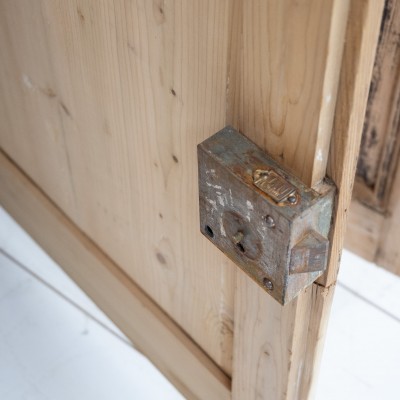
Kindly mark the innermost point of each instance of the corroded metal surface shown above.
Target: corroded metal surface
(275, 186)
(263, 218)
(310, 254)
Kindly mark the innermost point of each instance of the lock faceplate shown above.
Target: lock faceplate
(263, 218)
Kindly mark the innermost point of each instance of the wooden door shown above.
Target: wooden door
(102, 105)
(373, 226)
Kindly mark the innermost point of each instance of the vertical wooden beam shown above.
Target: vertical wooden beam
(290, 68)
(358, 60)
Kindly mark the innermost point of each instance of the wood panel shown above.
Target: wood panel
(375, 236)
(114, 96)
(360, 49)
(388, 252)
(277, 349)
(290, 56)
(103, 104)
(364, 230)
(151, 330)
(380, 145)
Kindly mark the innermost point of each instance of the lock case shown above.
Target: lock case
(263, 218)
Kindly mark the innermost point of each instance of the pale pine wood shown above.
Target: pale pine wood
(375, 236)
(279, 347)
(373, 227)
(290, 58)
(363, 231)
(284, 343)
(103, 104)
(288, 80)
(118, 94)
(150, 329)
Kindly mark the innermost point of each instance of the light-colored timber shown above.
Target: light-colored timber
(373, 231)
(380, 146)
(277, 350)
(290, 56)
(388, 253)
(177, 356)
(364, 230)
(375, 236)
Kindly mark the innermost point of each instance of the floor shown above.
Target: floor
(56, 344)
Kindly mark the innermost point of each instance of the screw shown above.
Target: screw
(292, 199)
(268, 284)
(269, 221)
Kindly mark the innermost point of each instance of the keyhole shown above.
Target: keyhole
(237, 239)
(209, 231)
(240, 247)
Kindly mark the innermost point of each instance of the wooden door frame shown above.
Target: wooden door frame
(372, 229)
(288, 339)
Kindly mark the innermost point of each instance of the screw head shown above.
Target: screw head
(269, 221)
(268, 284)
(292, 199)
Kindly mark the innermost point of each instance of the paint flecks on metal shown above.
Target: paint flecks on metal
(270, 224)
(213, 186)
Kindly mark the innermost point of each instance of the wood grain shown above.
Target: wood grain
(151, 330)
(380, 144)
(103, 104)
(358, 58)
(375, 236)
(277, 349)
(374, 215)
(364, 230)
(291, 53)
(388, 253)
(281, 346)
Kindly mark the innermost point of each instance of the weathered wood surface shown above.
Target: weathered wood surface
(375, 209)
(364, 230)
(104, 103)
(380, 144)
(289, 66)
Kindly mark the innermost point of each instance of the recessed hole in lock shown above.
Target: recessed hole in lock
(246, 241)
(240, 247)
(268, 284)
(209, 231)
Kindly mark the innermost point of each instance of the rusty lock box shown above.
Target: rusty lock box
(263, 218)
